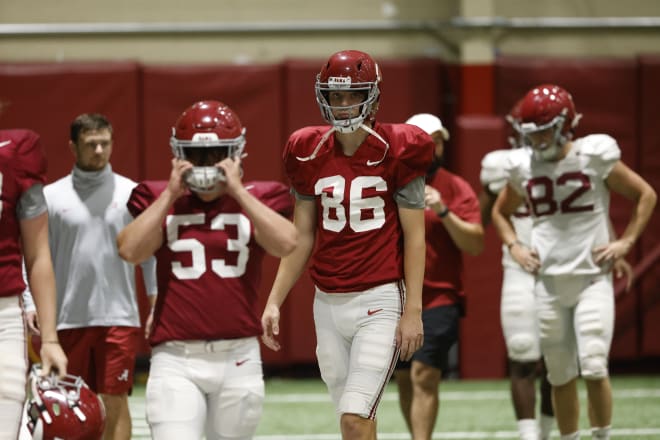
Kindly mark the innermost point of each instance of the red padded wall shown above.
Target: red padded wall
(649, 168)
(254, 92)
(46, 97)
(482, 350)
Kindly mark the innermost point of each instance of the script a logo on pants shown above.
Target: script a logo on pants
(123, 377)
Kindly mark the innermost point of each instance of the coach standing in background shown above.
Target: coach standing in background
(453, 226)
(98, 320)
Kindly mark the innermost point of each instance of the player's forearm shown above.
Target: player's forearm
(640, 217)
(468, 237)
(414, 256)
(413, 269)
(42, 282)
(486, 200)
(275, 233)
(503, 226)
(504, 207)
(290, 269)
(39, 272)
(143, 236)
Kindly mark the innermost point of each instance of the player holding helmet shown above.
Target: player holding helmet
(209, 233)
(566, 184)
(23, 234)
(63, 408)
(359, 188)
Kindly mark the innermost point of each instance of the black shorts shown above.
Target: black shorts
(440, 333)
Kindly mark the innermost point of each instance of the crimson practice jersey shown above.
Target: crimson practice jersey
(359, 238)
(444, 260)
(22, 165)
(568, 199)
(209, 265)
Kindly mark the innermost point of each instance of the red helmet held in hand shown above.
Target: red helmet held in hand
(63, 408)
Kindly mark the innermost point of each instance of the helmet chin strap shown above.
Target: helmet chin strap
(372, 132)
(332, 129)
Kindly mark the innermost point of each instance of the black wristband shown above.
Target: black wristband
(443, 213)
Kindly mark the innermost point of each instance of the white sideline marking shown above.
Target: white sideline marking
(456, 435)
(448, 395)
(141, 430)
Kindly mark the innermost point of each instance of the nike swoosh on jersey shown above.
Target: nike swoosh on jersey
(239, 363)
(5, 143)
(372, 311)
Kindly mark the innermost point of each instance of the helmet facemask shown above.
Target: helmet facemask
(204, 151)
(366, 108)
(544, 147)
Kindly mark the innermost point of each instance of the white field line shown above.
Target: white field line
(616, 433)
(449, 395)
(141, 430)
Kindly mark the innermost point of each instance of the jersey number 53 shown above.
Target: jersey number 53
(196, 248)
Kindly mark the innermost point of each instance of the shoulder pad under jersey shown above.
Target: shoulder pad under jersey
(493, 174)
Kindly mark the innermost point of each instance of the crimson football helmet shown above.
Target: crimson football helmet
(63, 408)
(206, 133)
(547, 107)
(348, 70)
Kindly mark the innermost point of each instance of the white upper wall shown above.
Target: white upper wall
(386, 29)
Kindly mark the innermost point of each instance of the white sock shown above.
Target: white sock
(528, 429)
(573, 436)
(601, 433)
(546, 424)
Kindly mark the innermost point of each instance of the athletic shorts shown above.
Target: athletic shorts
(103, 356)
(440, 333)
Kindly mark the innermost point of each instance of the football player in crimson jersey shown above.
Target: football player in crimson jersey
(23, 234)
(566, 183)
(209, 233)
(359, 188)
(453, 226)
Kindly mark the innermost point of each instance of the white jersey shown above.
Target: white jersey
(95, 287)
(494, 177)
(570, 203)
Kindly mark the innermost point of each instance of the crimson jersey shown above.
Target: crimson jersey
(22, 165)
(444, 260)
(209, 266)
(359, 237)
